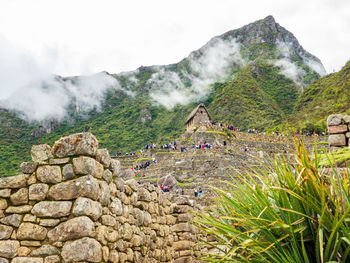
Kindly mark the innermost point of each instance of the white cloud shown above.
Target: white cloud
(209, 64)
(49, 99)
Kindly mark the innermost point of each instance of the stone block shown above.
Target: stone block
(19, 209)
(87, 165)
(17, 181)
(346, 119)
(3, 204)
(85, 186)
(337, 129)
(52, 259)
(12, 220)
(38, 192)
(68, 172)
(59, 161)
(115, 167)
(5, 231)
(85, 249)
(23, 251)
(52, 209)
(87, 207)
(28, 167)
(49, 174)
(45, 250)
(103, 157)
(8, 248)
(20, 197)
(182, 245)
(29, 231)
(72, 229)
(5, 193)
(337, 140)
(27, 260)
(334, 119)
(49, 222)
(76, 144)
(105, 194)
(181, 227)
(347, 135)
(41, 153)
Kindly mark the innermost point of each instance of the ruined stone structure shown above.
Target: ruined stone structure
(198, 116)
(69, 205)
(339, 131)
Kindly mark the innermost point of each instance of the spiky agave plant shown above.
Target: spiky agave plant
(292, 212)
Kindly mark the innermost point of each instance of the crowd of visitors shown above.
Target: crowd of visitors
(119, 154)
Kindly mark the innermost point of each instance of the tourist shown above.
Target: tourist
(195, 193)
(200, 192)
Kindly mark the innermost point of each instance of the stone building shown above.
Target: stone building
(198, 116)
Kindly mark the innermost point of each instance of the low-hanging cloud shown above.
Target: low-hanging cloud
(29, 88)
(209, 64)
(290, 69)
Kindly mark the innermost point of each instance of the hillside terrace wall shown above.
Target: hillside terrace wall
(339, 131)
(69, 205)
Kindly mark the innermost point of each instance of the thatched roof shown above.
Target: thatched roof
(195, 111)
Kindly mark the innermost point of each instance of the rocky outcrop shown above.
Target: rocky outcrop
(339, 131)
(70, 205)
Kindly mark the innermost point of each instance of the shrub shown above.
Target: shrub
(292, 212)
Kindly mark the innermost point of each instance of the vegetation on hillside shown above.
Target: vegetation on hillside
(328, 95)
(291, 213)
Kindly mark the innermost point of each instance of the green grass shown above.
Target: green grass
(288, 213)
(334, 158)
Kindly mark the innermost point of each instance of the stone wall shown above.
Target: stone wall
(69, 205)
(339, 131)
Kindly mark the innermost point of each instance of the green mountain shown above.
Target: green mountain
(327, 95)
(250, 77)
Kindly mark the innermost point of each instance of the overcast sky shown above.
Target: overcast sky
(71, 37)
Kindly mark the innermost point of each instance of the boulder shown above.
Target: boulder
(334, 119)
(38, 192)
(52, 209)
(50, 174)
(74, 228)
(87, 207)
(87, 165)
(28, 167)
(29, 231)
(8, 248)
(85, 249)
(85, 186)
(17, 181)
(76, 144)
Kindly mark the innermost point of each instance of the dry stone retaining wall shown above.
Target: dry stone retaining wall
(339, 130)
(69, 205)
